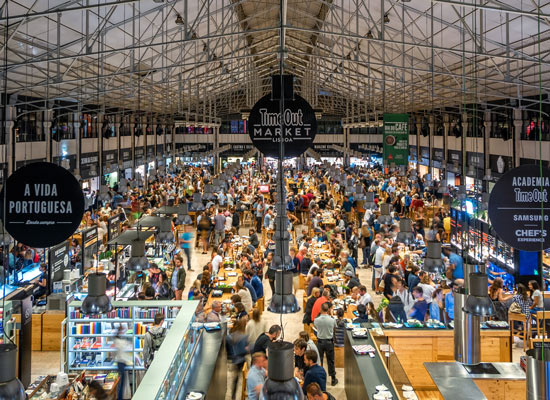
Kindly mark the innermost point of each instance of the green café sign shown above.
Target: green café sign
(396, 139)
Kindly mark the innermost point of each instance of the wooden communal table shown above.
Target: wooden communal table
(414, 347)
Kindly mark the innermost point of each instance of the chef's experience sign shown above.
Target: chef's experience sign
(519, 208)
(296, 127)
(44, 204)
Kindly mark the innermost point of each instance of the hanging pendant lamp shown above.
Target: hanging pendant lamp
(97, 302)
(11, 388)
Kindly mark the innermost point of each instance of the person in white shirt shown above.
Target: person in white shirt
(363, 298)
(378, 264)
(228, 221)
(246, 297)
(216, 262)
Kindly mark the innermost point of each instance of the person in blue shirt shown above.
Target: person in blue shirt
(450, 303)
(256, 376)
(347, 204)
(243, 281)
(456, 263)
(436, 305)
(255, 282)
(315, 373)
(290, 204)
(418, 310)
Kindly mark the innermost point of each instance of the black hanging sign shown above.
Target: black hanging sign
(44, 204)
(59, 261)
(299, 126)
(519, 204)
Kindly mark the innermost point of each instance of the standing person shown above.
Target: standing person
(153, 339)
(455, 270)
(365, 243)
(123, 358)
(259, 210)
(325, 324)
(418, 310)
(237, 348)
(378, 268)
(253, 238)
(255, 282)
(256, 376)
(219, 227)
(315, 373)
(217, 262)
(186, 243)
(255, 327)
(436, 305)
(42, 288)
(204, 226)
(178, 277)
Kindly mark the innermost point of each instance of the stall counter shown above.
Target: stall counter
(414, 347)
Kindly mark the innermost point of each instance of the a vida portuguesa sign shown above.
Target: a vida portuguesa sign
(296, 127)
(44, 204)
(519, 208)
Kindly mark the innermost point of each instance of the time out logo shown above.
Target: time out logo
(295, 127)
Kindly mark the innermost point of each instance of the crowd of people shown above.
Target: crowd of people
(331, 233)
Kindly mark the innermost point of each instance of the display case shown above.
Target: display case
(89, 341)
(166, 375)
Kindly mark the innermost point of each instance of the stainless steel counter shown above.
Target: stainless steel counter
(455, 382)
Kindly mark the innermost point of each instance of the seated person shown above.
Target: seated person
(363, 315)
(314, 392)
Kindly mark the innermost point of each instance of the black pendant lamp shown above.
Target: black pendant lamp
(183, 215)
(478, 302)
(405, 234)
(433, 262)
(165, 234)
(11, 388)
(280, 383)
(97, 302)
(283, 300)
(385, 218)
(137, 260)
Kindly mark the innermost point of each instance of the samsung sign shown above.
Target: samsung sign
(519, 208)
(295, 127)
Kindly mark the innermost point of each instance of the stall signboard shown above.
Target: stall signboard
(139, 155)
(476, 160)
(113, 227)
(125, 154)
(110, 161)
(67, 162)
(89, 165)
(454, 160)
(438, 154)
(519, 208)
(424, 158)
(59, 261)
(44, 204)
(89, 247)
(500, 164)
(396, 139)
(299, 126)
(326, 150)
(150, 153)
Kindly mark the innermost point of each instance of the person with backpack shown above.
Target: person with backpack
(153, 339)
(164, 291)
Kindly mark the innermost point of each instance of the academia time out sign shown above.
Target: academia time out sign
(519, 208)
(296, 127)
(396, 139)
(44, 204)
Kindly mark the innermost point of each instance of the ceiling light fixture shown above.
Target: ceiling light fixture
(96, 302)
(179, 20)
(370, 35)
(386, 18)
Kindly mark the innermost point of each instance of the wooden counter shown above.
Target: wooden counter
(415, 347)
